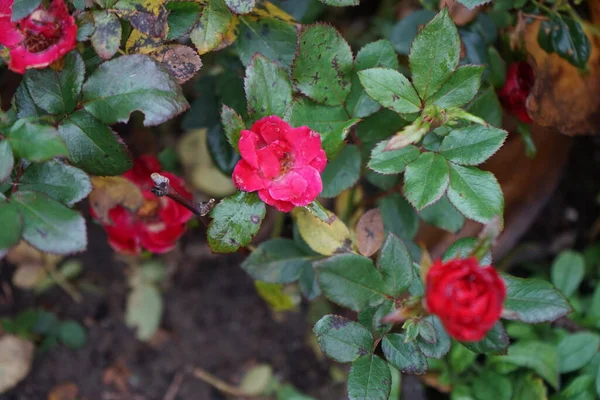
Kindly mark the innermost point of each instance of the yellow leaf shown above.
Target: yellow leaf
(323, 238)
(112, 191)
(215, 22)
(199, 167)
(269, 10)
(141, 43)
(230, 36)
(147, 16)
(257, 380)
(274, 295)
(28, 275)
(23, 253)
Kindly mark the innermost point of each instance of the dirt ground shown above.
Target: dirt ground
(215, 320)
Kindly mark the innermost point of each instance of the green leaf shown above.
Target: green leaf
(460, 359)
(50, 226)
(443, 215)
(341, 339)
(144, 310)
(276, 261)
(183, 15)
(529, 387)
(133, 83)
(576, 350)
(107, 34)
(213, 26)
(223, 155)
(93, 146)
(7, 160)
(538, 356)
(331, 122)
(393, 161)
(434, 54)
(376, 54)
(57, 91)
(533, 300)
(351, 281)
(407, 357)
(442, 344)
(342, 172)
(463, 248)
(471, 4)
(268, 88)
(22, 8)
(495, 341)
(426, 180)
(233, 125)
(460, 88)
(369, 379)
(241, 6)
(36, 142)
(340, 3)
(475, 193)
(491, 385)
(391, 89)
(570, 41)
(323, 66)
(487, 106)
(65, 184)
(271, 37)
(274, 295)
(371, 318)
(396, 266)
(12, 226)
(497, 68)
(24, 103)
(580, 388)
(235, 221)
(308, 283)
(567, 272)
(472, 144)
(72, 334)
(398, 216)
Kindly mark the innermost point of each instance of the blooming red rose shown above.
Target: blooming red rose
(39, 39)
(282, 163)
(467, 298)
(158, 224)
(518, 84)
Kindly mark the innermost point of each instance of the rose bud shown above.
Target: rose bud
(518, 84)
(39, 39)
(157, 224)
(466, 297)
(282, 163)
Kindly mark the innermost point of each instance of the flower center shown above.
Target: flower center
(287, 162)
(149, 209)
(40, 30)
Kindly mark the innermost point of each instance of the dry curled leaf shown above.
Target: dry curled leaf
(112, 191)
(181, 61)
(564, 97)
(460, 14)
(370, 233)
(16, 355)
(64, 391)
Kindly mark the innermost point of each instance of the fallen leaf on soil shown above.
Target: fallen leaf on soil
(27, 276)
(563, 97)
(181, 61)
(370, 232)
(32, 265)
(111, 191)
(65, 391)
(16, 355)
(257, 380)
(144, 310)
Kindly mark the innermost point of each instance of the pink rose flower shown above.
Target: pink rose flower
(39, 39)
(282, 163)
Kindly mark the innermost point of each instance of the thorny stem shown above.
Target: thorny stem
(162, 187)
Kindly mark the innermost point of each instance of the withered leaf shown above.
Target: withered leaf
(181, 61)
(16, 355)
(370, 232)
(112, 191)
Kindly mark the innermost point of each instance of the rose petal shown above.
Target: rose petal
(9, 35)
(314, 186)
(320, 161)
(270, 158)
(288, 187)
(246, 178)
(283, 206)
(161, 237)
(248, 145)
(123, 233)
(143, 167)
(271, 128)
(306, 144)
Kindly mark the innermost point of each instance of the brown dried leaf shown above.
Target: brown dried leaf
(181, 61)
(460, 14)
(370, 232)
(111, 191)
(64, 391)
(23, 253)
(563, 97)
(16, 355)
(28, 275)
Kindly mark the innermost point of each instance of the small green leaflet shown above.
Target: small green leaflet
(460, 88)
(342, 172)
(276, 261)
(393, 161)
(36, 142)
(341, 339)
(426, 180)
(395, 264)
(472, 144)
(12, 225)
(391, 89)
(567, 272)
(370, 379)
(7, 160)
(233, 125)
(407, 357)
(268, 88)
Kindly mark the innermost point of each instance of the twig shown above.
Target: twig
(162, 187)
(63, 283)
(219, 384)
(174, 387)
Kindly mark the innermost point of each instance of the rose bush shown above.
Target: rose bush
(466, 297)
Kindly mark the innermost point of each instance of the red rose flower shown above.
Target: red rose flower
(282, 163)
(158, 224)
(518, 84)
(467, 298)
(38, 39)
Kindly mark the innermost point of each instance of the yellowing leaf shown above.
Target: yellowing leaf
(28, 275)
(370, 232)
(23, 253)
(199, 167)
(274, 295)
(111, 191)
(230, 36)
(16, 355)
(141, 43)
(215, 22)
(146, 16)
(323, 238)
(257, 380)
(269, 10)
(144, 310)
